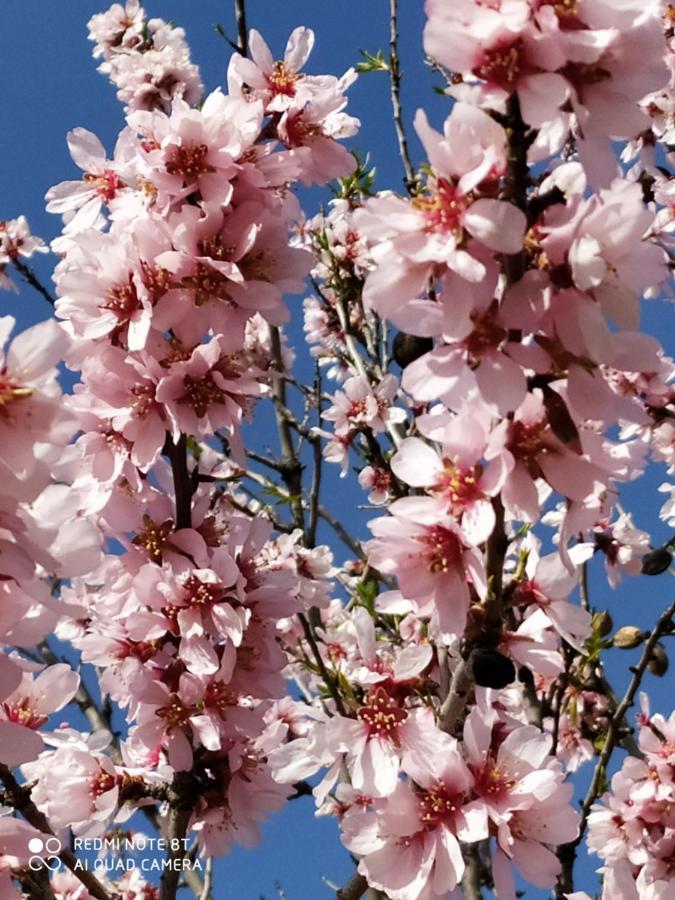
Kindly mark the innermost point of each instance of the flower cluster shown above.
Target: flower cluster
(148, 60)
(633, 829)
(489, 382)
(16, 241)
(175, 256)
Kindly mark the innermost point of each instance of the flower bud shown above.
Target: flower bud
(492, 669)
(658, 661)
(602, 623)
(628, 637)
(408, 347)
(656, 561)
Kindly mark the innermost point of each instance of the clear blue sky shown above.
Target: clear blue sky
(50, 85)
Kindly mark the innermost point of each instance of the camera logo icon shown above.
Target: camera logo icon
(52, 862)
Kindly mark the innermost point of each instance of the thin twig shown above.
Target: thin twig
(395, 84)
(208, 880)
(315, 489)
(341, 532)
(31, 278)
(292, 468)
(328, 679)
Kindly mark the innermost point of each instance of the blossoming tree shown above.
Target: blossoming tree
(440, 689)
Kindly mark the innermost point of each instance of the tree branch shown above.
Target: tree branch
(242, 31)
(30, 277)
(181, 803)
(395, 85)
(354, 889)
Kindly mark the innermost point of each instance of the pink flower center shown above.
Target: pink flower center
(154, 537)
(218, 695)
(381, 715)
(206, 282)
(528, 593)
(175, 714)
(141, 650)
(101, 783)
(438, 807)
(156, 279)
(282, 80)
(10, 391)
(459, 487)
(299, 131)
(106, 184)
(527, 442)
(486, 335)
(200, 393)
(145, 399)
(564, 9)
(381, 480)
(501, 64)
(443, 549)
(493, 783)
(358, 409)
(443, 207)
(24, 714)
(201, 593)
(122, 300)
(188, 162)
(215, 248)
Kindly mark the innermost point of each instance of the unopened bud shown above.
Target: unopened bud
(602, 623)
(658, 661)
(492, 669)
(628, 637)
(656, 561)
(408, 347)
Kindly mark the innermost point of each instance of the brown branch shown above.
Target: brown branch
(354, 889)
(177, 453)
(291, 469)
(181, 801)
(31, 278)
(315, 489)
(328, 679)
(471, 882)
(341, 532)
(19, 798)
(242, 31)
(455, 702)
(395, 86)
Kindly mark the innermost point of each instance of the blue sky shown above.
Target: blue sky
(50, 85)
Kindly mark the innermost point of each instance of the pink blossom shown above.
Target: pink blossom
(426, 550)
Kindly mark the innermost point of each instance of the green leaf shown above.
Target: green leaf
(371, 63)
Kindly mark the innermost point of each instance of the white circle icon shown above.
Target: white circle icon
(53, 847)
